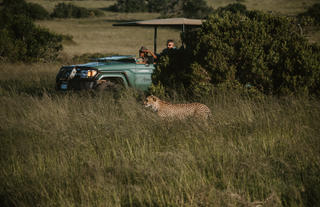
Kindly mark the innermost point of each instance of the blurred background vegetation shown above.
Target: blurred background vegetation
(258, 71)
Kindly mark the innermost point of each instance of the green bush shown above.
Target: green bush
(169, 8)
(31, 10)
(63, 10)
(234, 8)
(188, 9)
(195, 9)
(129, 6)
(253, 51)
(22, 40)
(313, 12)
(158, 5)
(36, 11)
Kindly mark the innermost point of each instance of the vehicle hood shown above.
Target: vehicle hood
(105, 62)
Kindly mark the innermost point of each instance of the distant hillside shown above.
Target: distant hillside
(288, 7)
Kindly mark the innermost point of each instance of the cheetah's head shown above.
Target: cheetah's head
(153, 102)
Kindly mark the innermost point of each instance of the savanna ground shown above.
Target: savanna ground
(104, 149)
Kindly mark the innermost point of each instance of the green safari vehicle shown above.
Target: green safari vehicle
(104, 73)
(118, 71)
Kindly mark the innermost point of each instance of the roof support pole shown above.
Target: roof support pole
(182, 34)
(155, 39)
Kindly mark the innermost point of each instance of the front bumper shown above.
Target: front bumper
(75, 78)
(75, 84)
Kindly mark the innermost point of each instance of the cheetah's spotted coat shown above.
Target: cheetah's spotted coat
(179, 111)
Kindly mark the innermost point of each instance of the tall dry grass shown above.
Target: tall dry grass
(104, 149)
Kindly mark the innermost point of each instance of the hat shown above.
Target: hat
(142, 48)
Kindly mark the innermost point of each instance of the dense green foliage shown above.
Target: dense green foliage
(250, 50)
(63, 10)
(234, 8)
(313, 12)
(169, 8)
(36, 11)
(130, 6)
(188, 9)
(22, 40)
(158, 5)
(82, 149)
(31, 10)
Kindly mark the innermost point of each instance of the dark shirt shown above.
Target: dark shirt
(167, 51)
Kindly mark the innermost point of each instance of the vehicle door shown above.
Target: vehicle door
(143, 76)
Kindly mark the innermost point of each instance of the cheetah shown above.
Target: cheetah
(178, 111)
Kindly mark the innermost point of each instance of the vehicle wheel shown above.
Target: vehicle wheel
(110, 85)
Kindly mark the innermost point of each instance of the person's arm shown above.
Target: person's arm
(153, 55)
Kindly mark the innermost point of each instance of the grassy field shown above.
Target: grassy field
(97, 35)
(98, 149)
(104, 149)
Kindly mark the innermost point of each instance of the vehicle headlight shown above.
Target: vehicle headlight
(92, 73)
(88, 73)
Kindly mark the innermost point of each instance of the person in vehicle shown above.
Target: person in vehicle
(170, 47)
(146, 56)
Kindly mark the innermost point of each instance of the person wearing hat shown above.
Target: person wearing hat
(146, 56)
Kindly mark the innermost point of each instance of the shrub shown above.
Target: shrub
(169, 8)
(63, 10)
(255, 51)
(313, 12)
(36, 11)
(234, 8)
(17, 37)
(158, 5)
(171, 73)
(31, 10)
(188, 9)
(195, 9)
(129, 6)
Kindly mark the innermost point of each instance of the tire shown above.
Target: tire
(110, 85)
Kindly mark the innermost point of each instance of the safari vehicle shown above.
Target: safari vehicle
(109, 72)
(117, 71)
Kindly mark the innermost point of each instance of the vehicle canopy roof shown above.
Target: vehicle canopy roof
(163, 22)
(170, 22)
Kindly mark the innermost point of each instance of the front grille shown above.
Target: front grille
(64, 74)
(74, 78)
